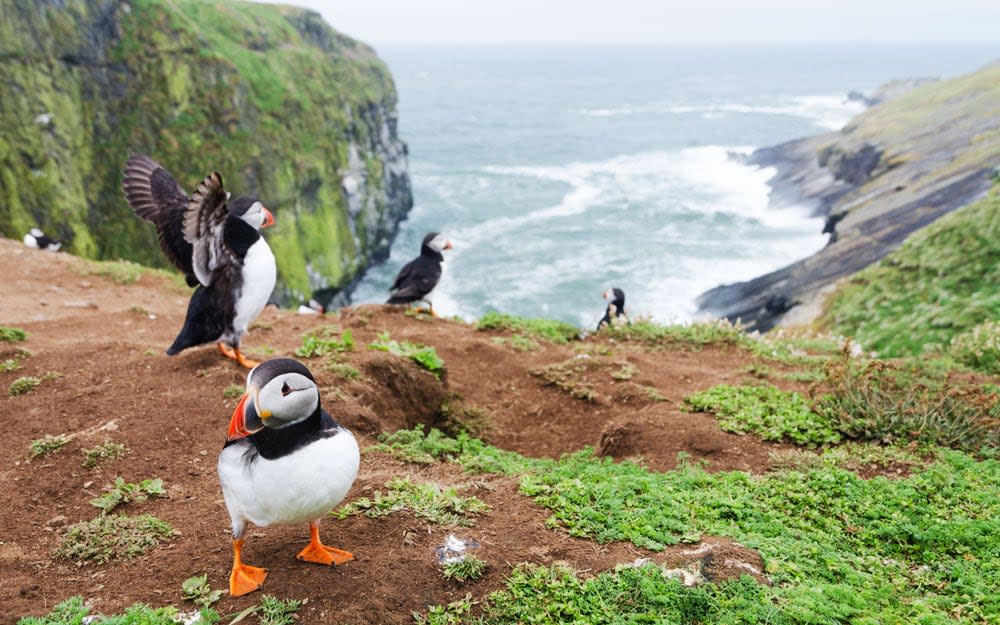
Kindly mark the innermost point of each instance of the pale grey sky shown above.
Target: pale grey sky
(665, 21)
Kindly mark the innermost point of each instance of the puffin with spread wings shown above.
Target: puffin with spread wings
(218, 246)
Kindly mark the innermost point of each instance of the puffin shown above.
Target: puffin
(40, 241)
(417, 279)
(615, 311)
(285, 460)
(216, 243)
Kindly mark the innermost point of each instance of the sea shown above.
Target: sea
(558, 172)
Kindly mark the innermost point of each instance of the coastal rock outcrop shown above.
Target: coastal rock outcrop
(270, 96)
(892, 170)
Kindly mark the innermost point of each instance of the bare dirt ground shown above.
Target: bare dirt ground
(106, 341)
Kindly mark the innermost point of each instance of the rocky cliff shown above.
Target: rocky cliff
(894, 169)
(271, 97)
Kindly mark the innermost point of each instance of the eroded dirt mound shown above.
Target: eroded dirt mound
(97, 348)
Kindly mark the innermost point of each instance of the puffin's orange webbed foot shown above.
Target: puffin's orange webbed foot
(237, 355)
(319, 553)
(244, 578)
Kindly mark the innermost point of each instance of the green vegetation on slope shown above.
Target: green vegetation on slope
(942, 283)
(839, 548)
(269, 96)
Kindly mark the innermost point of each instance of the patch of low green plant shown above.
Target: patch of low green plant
(48, 444)
(547, 329)
(458, 417)
(323, 340)
(758, 370)
(979, 348)
(806, 375)
(428, 501)
(105, 451)
(455, 613)
(693, 335)
(119, 271)
(9, 364)
(12, 335)
(123, 492)
(233, 391)
(856, 457)
(625, 373)
(343, 370)
(767, 411)
(518, 343)
(198, 591)
(111, 536)
(464, 569)
(571, 376)
(423, 355)
(28, 383)
(74, 611)
(274, 611)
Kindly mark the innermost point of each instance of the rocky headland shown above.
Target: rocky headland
(922, 150)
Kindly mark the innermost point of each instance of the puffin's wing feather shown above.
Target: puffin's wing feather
(403, 274)
(204, 221)
(419, 281)
(157, 197)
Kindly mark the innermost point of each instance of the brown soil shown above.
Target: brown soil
(106, 341)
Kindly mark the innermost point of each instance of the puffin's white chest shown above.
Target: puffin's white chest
(259, 276)
(297, 488)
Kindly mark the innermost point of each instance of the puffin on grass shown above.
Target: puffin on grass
(38, 240)
(218, 246)
(615, 312)
(417, 279)
(285, 461)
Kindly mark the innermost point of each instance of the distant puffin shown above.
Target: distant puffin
(40, 241)
(217, 245)
(615, 311)
(285, 461)
(416, 280)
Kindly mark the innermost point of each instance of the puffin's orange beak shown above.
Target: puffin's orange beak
(238, 422)
(447, 245)
(268, 218)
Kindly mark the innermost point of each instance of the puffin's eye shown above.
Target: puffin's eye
(285, 389)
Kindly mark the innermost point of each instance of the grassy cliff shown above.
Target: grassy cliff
(270, 96)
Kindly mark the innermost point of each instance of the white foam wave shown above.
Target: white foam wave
(827, 111)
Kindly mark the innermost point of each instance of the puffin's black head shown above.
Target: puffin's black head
(435, 242)
(617, 297)
(280, 392)
(251, 211)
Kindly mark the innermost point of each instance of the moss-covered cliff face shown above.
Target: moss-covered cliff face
(269, 96)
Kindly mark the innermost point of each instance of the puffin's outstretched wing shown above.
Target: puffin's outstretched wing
(157, 197)
(204, 220)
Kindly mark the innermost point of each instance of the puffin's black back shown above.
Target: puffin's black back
(418, 277)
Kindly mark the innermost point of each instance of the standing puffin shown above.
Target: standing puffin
(416, 280)
(40, 241)
(218, 246)
(615, 310)
(285, 461)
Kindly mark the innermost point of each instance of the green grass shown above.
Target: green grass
(198, 591)
(518, 343)
(28, 383)
(118, 271)
(48, 444)
(112, 536)
(324, 340)
(343, 370)
(772, 414)
(549, 330)
(423, 355)
(274, 611)
(693, 335)
(465, 569)
(10, 364)
(233, 391)
(941, 284)
(428, 501)
(122, 492)
(839, 548)
(75, 611)
(12, 335)
(979, 348)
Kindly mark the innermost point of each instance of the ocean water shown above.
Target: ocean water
(558, 172)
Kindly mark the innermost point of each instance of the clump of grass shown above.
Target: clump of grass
(9, 364)
(343, 370)
(105, 451)
(111, 536)
(855, 457)
(766, 411)
(518, 343)
(198, 591)
(625, 373)
(547, 329)
(28, 383)
(457, 417)
(570, 376)
(695, 335)
(12, 335)
(120, 271)
(428, 501)
(978, 348)
(423, 355)
(877, 400)
(464, 569)
(323, 340)
(75, 611)
(122, 492)
(417, 447)
(233, 391)
(455, 613)
(274, 611)
(653, 394)
(758, 370)
(48, 444)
